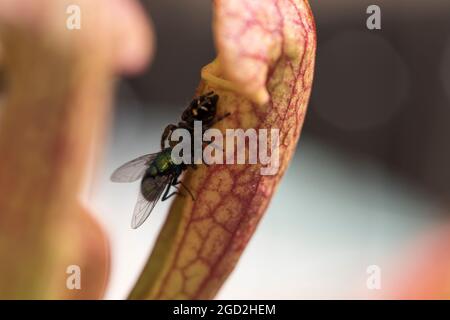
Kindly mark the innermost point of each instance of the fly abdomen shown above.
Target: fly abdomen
(148, 185)
(152, 171)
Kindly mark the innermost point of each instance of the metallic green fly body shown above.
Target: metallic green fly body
(157, 171)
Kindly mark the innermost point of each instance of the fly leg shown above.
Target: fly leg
(174, 183)
(216, 120)
(185, 125)
(166, 194)
(167, 134)
(185, 187)
(209, 94)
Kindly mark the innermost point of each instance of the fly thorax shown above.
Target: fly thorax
(163, 162)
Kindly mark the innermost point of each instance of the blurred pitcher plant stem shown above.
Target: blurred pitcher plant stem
(58, 85)
(57, 90)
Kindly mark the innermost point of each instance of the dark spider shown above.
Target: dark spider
(202, 108)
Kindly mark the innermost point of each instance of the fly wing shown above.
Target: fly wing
(151, 191)
(133, 170)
